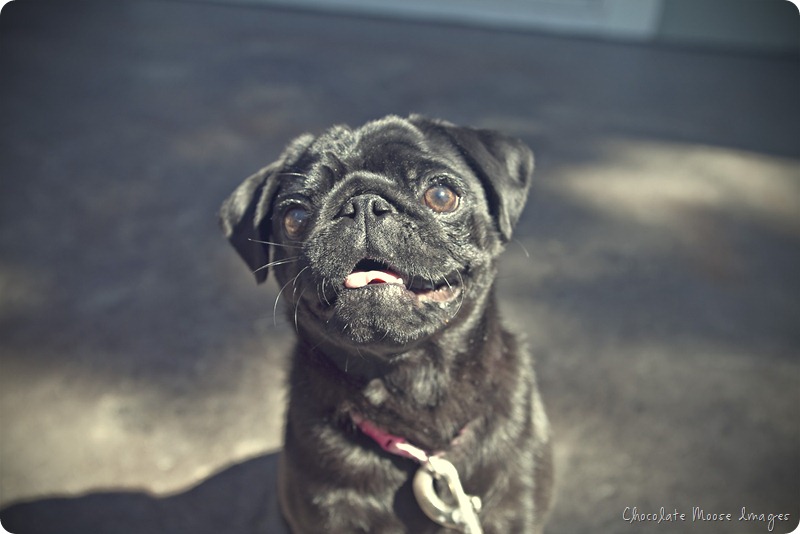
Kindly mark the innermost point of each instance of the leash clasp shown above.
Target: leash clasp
(454, 509)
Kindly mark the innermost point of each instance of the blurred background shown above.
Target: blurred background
(654, 272)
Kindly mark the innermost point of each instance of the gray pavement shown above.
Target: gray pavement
(654, 272)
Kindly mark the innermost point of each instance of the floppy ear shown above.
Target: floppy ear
(244, 218)
(503, 164)
(246, 215)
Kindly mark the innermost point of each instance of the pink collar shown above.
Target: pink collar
(389, 442)
(463, 514)
(393, 444)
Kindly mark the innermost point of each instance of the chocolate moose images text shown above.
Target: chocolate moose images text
(632, 514)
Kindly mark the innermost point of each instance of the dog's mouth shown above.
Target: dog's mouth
(369, 272)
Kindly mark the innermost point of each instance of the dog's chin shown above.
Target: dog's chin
(387, 315)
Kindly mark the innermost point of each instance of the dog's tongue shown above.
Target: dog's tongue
(358, 279)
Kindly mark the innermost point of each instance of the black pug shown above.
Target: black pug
(411, 407)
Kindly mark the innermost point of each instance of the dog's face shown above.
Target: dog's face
(383, 235)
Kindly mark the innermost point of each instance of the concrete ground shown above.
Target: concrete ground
(655, 271)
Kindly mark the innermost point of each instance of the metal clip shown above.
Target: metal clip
(457, 510)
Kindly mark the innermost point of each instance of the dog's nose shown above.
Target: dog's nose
(367, 206)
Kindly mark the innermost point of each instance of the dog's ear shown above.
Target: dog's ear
(503, 164)
(245, 217)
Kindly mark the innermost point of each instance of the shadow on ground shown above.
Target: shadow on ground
(238, 500)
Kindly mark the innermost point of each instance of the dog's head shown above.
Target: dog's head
(383, 235)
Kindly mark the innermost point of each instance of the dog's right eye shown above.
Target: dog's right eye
(294, 221)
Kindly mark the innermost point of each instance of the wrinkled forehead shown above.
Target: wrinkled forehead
(392, 148)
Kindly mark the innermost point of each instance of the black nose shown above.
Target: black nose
(366, 206)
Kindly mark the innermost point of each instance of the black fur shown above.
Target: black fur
(439, 370)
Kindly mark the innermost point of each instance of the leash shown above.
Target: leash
(457, 510)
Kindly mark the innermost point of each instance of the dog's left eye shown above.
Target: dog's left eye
(294, 221)
(441, 199)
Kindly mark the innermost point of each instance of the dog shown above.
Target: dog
(411, 407)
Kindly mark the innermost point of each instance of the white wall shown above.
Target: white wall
(771, 25)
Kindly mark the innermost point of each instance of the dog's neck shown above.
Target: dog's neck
(426, 393)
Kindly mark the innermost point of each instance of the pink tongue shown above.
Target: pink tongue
(362, 278)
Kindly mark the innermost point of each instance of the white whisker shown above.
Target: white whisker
(463, 289)
(296, 307)
(321, 289)
(277, 262)
(294, 280)
(273, 243)
(275, 306)
(525, 250)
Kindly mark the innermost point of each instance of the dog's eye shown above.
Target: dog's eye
(441, 199)
(294, 221)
